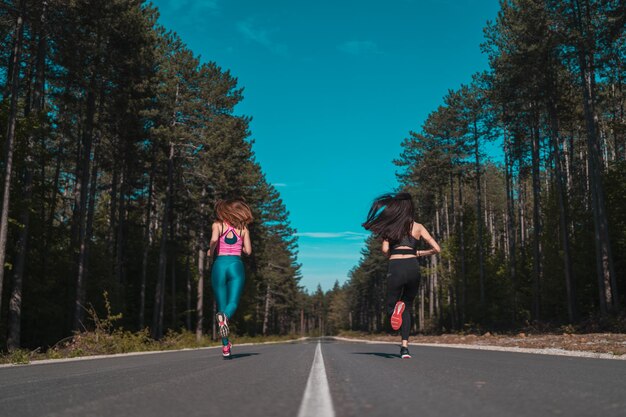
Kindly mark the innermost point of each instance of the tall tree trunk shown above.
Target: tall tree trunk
(202, 248)
(458, 302)
(479, 221)
(188, 304)
(607, 284)
(113, 209)
(462, 252)
(15, 303)
(510, 225)
(10, 141)
(454, 306)
(173, 271)
(173, 278)
(537, 257)
(86, 245)
(147, 243)
(266, 311)
(200, 292)
(214, 322)
(81, 204)
(39, 102)
(159, 295)
(120, 237)
(435, 262)
(452, 208)
(523, 233)
(52, 205)
(563, 213)
(568, 152)
(447, 217)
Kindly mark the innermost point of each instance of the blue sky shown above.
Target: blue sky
(333, 88)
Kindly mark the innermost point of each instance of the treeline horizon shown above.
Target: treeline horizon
(118, 141)
(539, 239)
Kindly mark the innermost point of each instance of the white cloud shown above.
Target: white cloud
(359, 48)
(279, 184)
(319, 235)
(260, 36)
(333, 235)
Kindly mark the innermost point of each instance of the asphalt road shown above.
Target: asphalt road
(363, 380)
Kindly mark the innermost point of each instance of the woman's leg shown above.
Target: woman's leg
(405, 276)
(218, 282)
(394, 285)
(235, 281)
(411, 288)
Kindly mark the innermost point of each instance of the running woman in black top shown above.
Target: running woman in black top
(391, 218)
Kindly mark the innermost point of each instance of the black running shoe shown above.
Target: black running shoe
(222, 321)
(404, 353)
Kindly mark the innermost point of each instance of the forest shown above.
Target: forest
(118, 141)
(521, 176)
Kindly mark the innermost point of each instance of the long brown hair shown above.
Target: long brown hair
(234, 212)
(391, 216)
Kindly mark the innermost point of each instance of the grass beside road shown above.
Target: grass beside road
(120, 341)
(105, 338)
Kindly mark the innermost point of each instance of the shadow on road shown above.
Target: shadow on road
(382, 355)
(241, 355)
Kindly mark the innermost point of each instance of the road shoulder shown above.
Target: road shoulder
(542, 351)
(149, 352)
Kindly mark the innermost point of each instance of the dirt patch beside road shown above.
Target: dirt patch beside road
(610, 343)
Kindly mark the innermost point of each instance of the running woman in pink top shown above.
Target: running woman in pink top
(229, 238)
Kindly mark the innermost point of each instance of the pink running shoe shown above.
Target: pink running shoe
(226, 350)
(396, 317)
(222, 322)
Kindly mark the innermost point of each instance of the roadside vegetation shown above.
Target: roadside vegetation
(106, 337)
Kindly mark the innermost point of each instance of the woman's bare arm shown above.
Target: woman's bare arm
(215, 236)
(385, 247)
(247, 244)
(423, 233)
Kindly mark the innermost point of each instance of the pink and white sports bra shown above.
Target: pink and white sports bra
(230, 243)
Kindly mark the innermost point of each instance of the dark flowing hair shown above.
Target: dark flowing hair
(391, 216)
(234, 212)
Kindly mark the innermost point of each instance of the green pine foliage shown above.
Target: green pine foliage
(125, 139)
(524, 240)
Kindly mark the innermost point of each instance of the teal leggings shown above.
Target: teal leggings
(228, 277)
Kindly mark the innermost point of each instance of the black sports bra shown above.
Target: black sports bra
(409, 241)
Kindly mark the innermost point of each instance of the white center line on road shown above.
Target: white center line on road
(317, 401)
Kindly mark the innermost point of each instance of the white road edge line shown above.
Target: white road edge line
(536, 351)
(146, 352)
(317, 401)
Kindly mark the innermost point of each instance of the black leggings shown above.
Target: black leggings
(403, 280)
